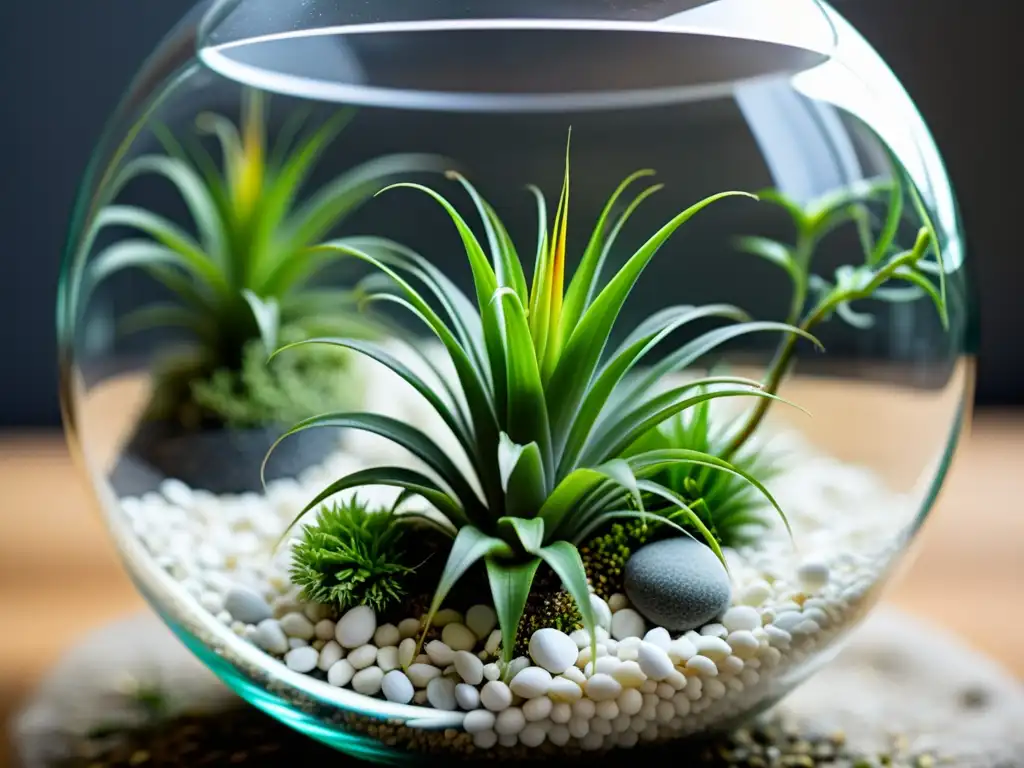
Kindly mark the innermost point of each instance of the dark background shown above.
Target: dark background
(64, 64)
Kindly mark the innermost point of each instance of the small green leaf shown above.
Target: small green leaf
(268, 318)
(772, 251)
(564, 559)
(510, 588)
(529, 533)
(470, 546)
(523, 477)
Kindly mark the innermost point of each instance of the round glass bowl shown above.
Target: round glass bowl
(567, 375)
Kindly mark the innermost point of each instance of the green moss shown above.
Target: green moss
(299, 383)
(549, 605)
(605, 555)
(354, 556)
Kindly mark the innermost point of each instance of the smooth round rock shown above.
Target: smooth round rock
(510, 721)
(553, 650)
(441, 693)
(302, 659)
(397, 687)
(531, 682)
(330, 655)
(246, 606)
(356, 627)
(387, 658)
(368, 681)
(341, 673)
(469, 667)
(812, 575)
(654, 662)
(742, 617)
(363, 656)
(270, 637)
(496, 696)
(387, 635)
(602, 613)
(458, 637)
(439, 653)
(482, 620)
(565, 690)
(678, 584)
(297, 625)
(602, 687)
(627, 623)
(478, 720)
(422, 674)
(467, 696)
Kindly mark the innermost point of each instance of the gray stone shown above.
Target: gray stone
(678, 583)
(246, 606)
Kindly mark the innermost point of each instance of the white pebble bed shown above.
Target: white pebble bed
(645, 684)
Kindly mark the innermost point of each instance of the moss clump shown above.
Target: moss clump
(353, 556)
(549, 605)
(605, 555)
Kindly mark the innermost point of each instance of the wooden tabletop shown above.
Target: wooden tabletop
(59, 576)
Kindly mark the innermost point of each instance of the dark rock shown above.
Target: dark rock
(678, 583)
(220, 461)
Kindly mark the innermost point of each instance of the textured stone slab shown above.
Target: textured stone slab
(901, 694)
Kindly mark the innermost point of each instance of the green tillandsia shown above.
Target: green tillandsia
(887, 273)
(537, 408)
(247, 269)
(728, 506)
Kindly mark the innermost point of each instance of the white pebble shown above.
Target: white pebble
(478, 720)
(469, 667)
(741, 617)
(406, 652)
(440, 653)
(665, 711)
(807, 627)
(617, 602)
(270, 637)
(788, 621)
(714, 630)
(731, 665)
(537, 709)
(467, 696)
(564, 690)
(653, 661)
(496, 696)
(630, 701)
(743, 643)
(387, 658)
(367, 681)
(658, 636)
(531, 682)
(584, 656)
(446, 616)
(601, 687)
(408, 628)
(627, 623)
(578, 727)
(397, 688)
(385, 635)
(813, 575)
(816, 615)
(356, 627)
(602, 613)
(340, 674)
(559, 735)
(553, 650)
(508, 739)
(628, 739)
(302, 659)
(703, 666)
(458, 637)
(600, 726)
(665, 691)
(677, 680)
(316, 612)
(421, 674)
(324, 630)
(778, 637)
(581, 637)
(749, 677)
(510, 721)
(491, 672)
(629, 674)
(584, 708)
(293, 642)
(694, 688)
(533, 735)
(714, 688)
(606, 664)
(330, 655)
(628, 648)
(649, 687)
(485, 739)
(441, 693)
(516, 666)
(755, 594)
(575, 674)
(481, 619)
(561, 712)
(493, 642)
(607, 709)
(681, 704)
(363, 656)
(714, 648)
(592, 741)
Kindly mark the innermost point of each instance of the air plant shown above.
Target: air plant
(541, 412)
(248, 270)
(887, 273)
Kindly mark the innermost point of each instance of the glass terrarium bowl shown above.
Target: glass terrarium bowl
(606, 397)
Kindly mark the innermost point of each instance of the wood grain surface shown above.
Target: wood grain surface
(59, 576)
